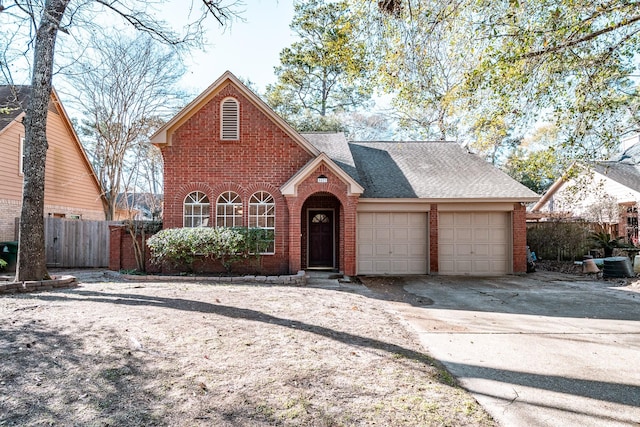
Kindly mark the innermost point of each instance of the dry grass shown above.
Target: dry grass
(128, 354)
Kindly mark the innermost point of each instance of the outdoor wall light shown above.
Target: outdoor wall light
(323, 179)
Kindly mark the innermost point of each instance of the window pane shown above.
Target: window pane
(229, 210)
(196, 209)
(262, 215)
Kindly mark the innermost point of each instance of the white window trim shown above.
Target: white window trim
(229, 198)
(253, 219)
(226, 123)
(204, 220)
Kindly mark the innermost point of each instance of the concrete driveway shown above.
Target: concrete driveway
(539, 350)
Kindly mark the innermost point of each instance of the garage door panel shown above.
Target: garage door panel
(463, 249)
(499, 251)
(481, 235)
(365, 235)
(474, 243)
(398, 243)
(482, 250)
(399, 267)
(382, 234)
(400, 234)
(382, 265)
(400, 219)
(482, 267)
(446, 251)
(464, 234)
(446, 234)
(418, 220)
(463, 265)
(496, 220)
(463, 220)
(365, 249)
(399, 251)
(445, 221)
(481, 219)
(382, 249)
(417, 251)
(382, 219)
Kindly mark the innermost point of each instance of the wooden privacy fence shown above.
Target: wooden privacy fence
(73, 243)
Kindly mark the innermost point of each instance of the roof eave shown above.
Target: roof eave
(449, 200)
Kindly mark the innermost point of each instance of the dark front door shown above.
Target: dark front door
(321, 244)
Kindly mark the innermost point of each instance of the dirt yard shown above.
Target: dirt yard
(112, 353)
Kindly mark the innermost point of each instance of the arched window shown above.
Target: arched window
(196, 210)
(262, 214)
(229, 210)
(230, 119)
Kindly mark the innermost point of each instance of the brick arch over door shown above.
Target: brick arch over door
(345, 259)
(321, 204)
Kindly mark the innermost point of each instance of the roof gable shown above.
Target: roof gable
(16, 98)
(13, 102)
(291, 186)
(163, 136)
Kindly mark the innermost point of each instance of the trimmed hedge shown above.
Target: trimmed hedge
(226, 244)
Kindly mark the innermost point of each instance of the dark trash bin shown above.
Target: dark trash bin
(9, 253)
(618, 266)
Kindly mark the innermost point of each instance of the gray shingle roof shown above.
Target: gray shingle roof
(335, 146)
(431, 170)
(15, 99)
(623, 168)
(623, 173)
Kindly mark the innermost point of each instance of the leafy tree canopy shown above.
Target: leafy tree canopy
(324, 71)
(501, 67)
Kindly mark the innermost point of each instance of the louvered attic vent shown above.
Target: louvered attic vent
(230, 119)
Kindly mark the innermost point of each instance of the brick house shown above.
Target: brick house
(71, 187)
(605, 194)
(353, 207)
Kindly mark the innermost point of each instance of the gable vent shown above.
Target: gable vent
(230, 119)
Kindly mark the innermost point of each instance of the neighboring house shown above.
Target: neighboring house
(606, 192)
(354, 207)
(139, 206)
(71, 188)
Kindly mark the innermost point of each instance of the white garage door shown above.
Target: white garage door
(474, 243)
(392, 243)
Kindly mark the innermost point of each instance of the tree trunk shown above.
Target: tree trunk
(31, 251)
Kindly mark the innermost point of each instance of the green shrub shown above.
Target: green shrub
(228, 245)
(3, 264)
(606, 242)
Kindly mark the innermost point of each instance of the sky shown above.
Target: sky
(248, 49)
(249, 46)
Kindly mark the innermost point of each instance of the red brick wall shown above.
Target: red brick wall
(122, 254)
(263, 159)
(308, 188)
(519, 227)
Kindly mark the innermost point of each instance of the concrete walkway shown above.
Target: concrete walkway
(538, 350)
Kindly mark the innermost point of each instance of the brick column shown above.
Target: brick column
(295, 234)
(349, 235)
(115, 247)
(433, 239)
(519, 227)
